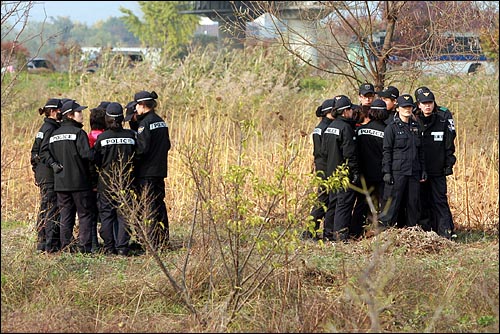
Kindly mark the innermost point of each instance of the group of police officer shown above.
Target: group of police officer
(399, 150)
(62, 160)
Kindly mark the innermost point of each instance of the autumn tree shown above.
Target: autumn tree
(162, 26)
(15, 16)
(367, 41)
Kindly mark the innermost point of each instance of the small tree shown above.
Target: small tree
(163, 27)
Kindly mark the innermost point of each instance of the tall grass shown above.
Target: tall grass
(212, 93)
(241, 156)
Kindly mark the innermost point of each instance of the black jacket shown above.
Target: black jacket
(339, 146)
(438, 145)
(69, 145)
(317, 138)
(370, 142)
(114, 150)
(392, 116)
(403, 153)
(153, 144)
(43, 172)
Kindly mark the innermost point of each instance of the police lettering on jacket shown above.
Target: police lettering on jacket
(69, 145)
(153, 144)
(438, 144)
(43, 172)
(114, 151)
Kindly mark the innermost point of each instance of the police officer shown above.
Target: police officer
(403, 165)
(442, 111)
(370, 140)
(439, 151)
(318, 212)
(150, 168)
(70, 158)
(114, 150)
(97, 126)
(389, 95)
(47, 225)
(339, 147)
(366, 96)
(131, 115)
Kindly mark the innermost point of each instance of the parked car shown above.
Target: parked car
(40, 64)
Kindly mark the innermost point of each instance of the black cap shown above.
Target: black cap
(103, 105)
(366, 88)
(378, 105)
(342, 102)
(425, 97)
(114, 109)
(71, 105)
(327, 106)
(405, 100)
(64, 100)
(390, 92)
(130, 110)
(53, 103)
(421, 90)
(145, 95)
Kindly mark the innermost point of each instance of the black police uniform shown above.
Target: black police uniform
(339, 146)
(446, 114)
(392, 117)
(369, 140)
(48, 215)
(69, 145)
(403, 158)
(114, 149)
(439, 152)
(318, 212)
(150, 168)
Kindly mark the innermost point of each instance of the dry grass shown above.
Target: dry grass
(247, 111)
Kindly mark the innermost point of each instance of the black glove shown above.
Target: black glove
(35, 159)
(388, 179)
(56, 167)
(355, 180)
(424, 176)
(448, 171)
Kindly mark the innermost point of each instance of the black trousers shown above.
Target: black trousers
(361, 211)
(403, 194)
(48, 238)
(111, 219)
(95, 221)
(435, 208)
(158, 230)
(329, 216)
(343, 213)
(321, 207)
(81, 203)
